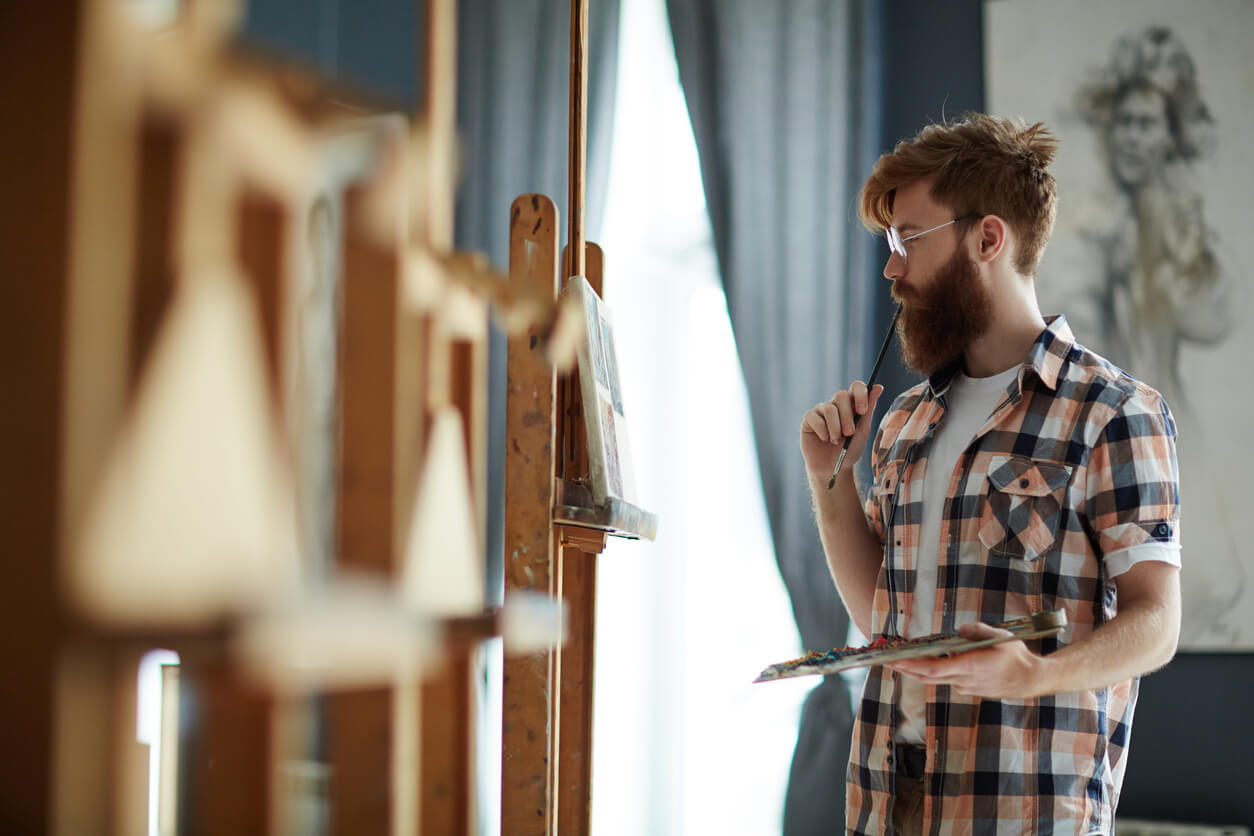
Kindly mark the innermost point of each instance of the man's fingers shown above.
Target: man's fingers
(833, 420)
(814, 422)
(827, 421)
(859, 393)
(839, 413)
(835, 425)
(863, 398)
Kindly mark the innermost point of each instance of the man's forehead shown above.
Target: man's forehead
(914, 207)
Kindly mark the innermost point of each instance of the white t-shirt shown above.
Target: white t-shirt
(970, 401)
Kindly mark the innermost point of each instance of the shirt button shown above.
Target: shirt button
(1023, 483)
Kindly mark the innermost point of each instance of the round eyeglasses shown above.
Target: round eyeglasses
(897, 244)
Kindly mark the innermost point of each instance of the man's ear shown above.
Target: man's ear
(993, 236)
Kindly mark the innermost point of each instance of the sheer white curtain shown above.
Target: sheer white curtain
(683, 742)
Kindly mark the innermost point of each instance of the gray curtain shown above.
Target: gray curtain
(784, 102)
(791, 105)
(512, 104)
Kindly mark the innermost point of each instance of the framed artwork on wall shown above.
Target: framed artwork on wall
(1150, 102)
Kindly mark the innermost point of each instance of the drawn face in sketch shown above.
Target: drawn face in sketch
(1140, 136)
(1148, 103)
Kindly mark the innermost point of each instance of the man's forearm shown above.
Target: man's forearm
(854, 554)
(1140, 639)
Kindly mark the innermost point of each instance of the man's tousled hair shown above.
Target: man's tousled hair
(979, 164)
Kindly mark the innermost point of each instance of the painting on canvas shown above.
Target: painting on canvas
(609, 447)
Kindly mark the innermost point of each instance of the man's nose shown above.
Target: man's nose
(895, 267)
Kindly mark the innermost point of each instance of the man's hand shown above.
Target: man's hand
(1006, 670)
(824, 428)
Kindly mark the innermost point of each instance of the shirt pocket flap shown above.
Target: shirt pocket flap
(887, 480)
(1021, 476)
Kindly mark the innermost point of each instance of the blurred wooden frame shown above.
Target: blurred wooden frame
(154, 115)
(144, 212)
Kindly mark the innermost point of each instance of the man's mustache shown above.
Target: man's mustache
(907, 296)
(900, 295)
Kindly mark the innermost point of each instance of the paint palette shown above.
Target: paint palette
(886, 650)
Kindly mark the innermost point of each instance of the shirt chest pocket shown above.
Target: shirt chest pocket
(887, 483)
(1024, 506)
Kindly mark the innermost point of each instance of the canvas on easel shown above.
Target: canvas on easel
(348, 152)
(609, 444)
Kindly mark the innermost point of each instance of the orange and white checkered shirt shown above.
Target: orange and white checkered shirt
(1076, 463)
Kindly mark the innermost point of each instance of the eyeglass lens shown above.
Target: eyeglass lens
(894, 241)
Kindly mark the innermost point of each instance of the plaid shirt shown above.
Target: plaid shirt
(1075, 463)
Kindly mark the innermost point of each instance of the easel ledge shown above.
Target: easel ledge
(574, 506)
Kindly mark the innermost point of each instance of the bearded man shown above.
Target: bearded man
(1025, 473)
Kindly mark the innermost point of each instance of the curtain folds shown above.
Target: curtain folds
(784, 100)
(513, 79)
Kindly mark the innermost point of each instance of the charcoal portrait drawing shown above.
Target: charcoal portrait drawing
(1151, 105)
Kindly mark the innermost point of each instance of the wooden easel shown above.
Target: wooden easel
(553, 529)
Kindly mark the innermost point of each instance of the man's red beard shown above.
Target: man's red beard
(940, 321)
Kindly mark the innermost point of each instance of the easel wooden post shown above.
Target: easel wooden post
(546, 758)
(547, 742)
(578, 547)
(360, 728)
(46, 41)
(529, 737)
(552, 530)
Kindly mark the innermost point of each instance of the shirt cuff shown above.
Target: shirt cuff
(1120, 561)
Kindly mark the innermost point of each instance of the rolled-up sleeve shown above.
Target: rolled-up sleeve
(1133, 487)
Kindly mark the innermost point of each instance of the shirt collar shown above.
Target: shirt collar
(1045, 358)
(1050, 351)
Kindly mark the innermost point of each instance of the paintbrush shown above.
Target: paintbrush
(875, 370)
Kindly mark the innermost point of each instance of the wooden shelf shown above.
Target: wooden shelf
(574, 505)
